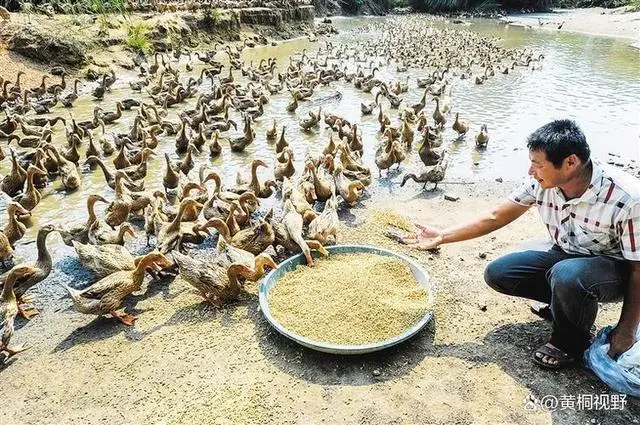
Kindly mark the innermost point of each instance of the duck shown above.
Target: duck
(106, 295)
(282, 143)
(118, 210)
(254, 239)
(68, 171)
(39, 271)
(9, 311)
(368, 108)
(428, 156)
(272, 132)
(170, 179)
(243, 185)
(291, 107)
(218, 284)
(324, 228)
(385, 158)
(433, 174)
(438, 116)
(98, 92)
(459, 126)
(299, 200)
(104, 236)
(215, 148)
(105, 141)
(13, 182)
(288, 234)
(350, 191)
(6, 250)
(286, 169)
(109, 175)
(103, 260)
(238, 144)
(80, 233)
(323, 184)
(14, 229)
(482, 138)
(31, 196)
(383, 119)
(170, 235)
(111, 117)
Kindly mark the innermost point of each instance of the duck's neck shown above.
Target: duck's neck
(107, 174)
(43, 252)
(30, 187)
(92, 215)
(7, 290)
(120, 237)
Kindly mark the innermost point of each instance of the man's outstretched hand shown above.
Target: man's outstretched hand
(425, 239)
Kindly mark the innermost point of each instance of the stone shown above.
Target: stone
(451, 197)
(376, 372)
(499, 180)
(125, 63)
(34, 43)
(482, 255)
(57, 70)
(483, 307)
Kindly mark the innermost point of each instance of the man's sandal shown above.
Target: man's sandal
(562, 359)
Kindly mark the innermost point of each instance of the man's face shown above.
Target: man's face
(546, 173)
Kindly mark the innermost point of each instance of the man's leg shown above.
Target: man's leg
(524, 274)
(577, 285)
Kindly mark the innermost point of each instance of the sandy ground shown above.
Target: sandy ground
(620, 22)
(184, 362)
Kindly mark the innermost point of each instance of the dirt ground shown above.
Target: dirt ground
(184, 362)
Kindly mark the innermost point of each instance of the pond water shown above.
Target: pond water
(594, 80)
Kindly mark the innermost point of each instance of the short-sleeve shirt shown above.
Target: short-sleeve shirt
(605, 220)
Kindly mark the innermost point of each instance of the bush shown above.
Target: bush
(138, 37)
(209, 18)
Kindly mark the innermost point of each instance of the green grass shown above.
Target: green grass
(138, 37)
(635, 5)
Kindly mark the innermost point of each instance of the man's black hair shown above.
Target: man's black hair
(559, 139)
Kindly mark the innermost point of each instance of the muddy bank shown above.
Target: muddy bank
(79, 41)
(620, 22)
(185, 362)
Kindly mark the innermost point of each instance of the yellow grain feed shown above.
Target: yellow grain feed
(349, 299)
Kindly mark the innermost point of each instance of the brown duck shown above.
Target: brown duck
(106, 295)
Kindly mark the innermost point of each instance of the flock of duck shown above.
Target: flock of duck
(193, 200)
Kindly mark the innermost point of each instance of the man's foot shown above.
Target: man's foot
(552, 357)
(542, 310)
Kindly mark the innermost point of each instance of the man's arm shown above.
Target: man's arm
(624, 335)
(502, 215)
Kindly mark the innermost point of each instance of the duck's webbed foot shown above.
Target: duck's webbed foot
(125, 319)
(12, 351)
(27, 310)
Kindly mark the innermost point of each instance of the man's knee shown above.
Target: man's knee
(565, 277)
(494, 275)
